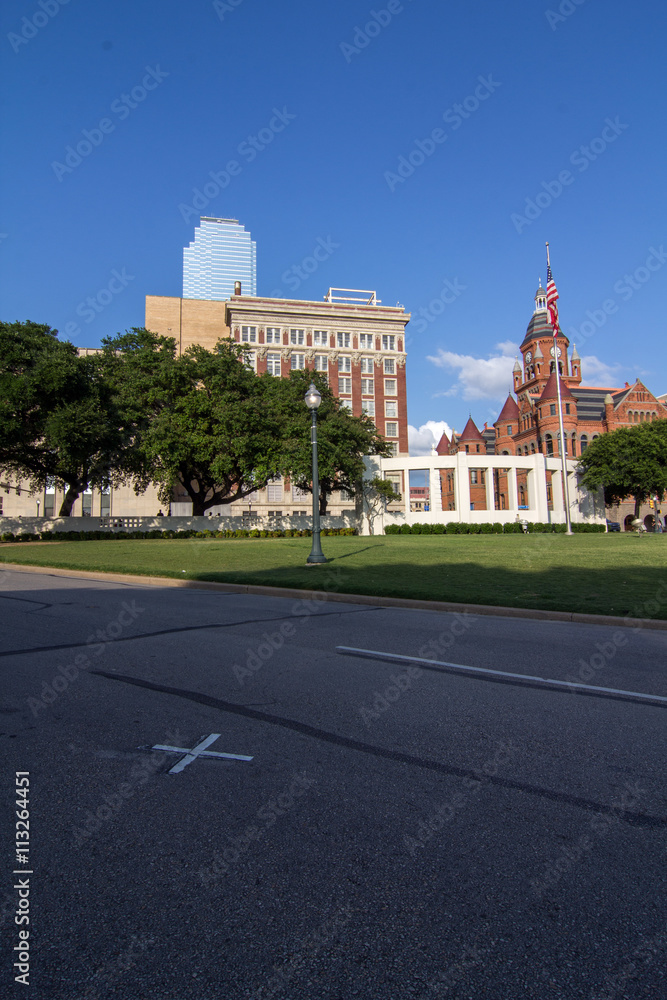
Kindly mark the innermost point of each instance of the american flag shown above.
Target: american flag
(552, 298)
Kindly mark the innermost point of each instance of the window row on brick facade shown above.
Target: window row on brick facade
(297, 336)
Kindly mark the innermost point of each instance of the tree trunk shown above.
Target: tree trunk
(69, 500)
(638, 503)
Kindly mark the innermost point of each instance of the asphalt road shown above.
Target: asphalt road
(399, 832)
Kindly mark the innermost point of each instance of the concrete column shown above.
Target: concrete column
(490, 504)
(557, 494)
(434, 490)
(537, 483)
(512, 491)
(462, 486)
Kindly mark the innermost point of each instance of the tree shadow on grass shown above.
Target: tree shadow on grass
(637, 591)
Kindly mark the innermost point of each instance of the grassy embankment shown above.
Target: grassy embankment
(600, 574)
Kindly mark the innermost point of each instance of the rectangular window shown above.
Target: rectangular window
(344, 386)
(274, 492)
(248, 334)
(567, 407)
(343, 339)
(321, 363)
(320, 338)
(298, 361)
(366, 341)
(250, 360)
(298, 494)
(391, 408)
(367, 387)
(344, 364)
(368, 407)
(509, 429)
(393, 448)
(389, 366)
(390, 387)
(391, 429)
(552, 410)
(273, 334)
(273, 364)
(367, 366)
(87, 504)
(105, 503)
(388, 342)
(297, 337)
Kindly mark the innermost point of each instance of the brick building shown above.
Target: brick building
(528, 424)
(351, 337)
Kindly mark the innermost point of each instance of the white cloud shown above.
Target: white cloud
(597, 373)
(423, 439)
(480, 378)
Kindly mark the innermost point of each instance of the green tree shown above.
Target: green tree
(342, 440)
(209, 423)
(59, 419)
(628, 462)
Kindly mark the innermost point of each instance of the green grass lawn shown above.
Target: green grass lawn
(601, 574)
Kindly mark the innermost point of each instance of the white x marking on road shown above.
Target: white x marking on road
(198, 751)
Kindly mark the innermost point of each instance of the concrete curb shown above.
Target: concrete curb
(380, 602)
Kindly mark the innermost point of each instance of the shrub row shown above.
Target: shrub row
(487, 528)
(86, 536)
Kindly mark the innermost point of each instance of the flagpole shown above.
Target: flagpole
(566, 489)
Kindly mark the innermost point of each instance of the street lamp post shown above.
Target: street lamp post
(313, 399)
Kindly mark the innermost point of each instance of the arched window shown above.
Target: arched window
(549, 443)
(583, 443)
(532, 447)
(574, 445)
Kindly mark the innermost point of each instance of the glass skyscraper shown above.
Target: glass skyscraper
(221, 253)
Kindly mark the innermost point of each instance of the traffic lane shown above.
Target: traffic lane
(341, 855)
(575, 652)
(361, 834)
(40, 610)
(355, 699)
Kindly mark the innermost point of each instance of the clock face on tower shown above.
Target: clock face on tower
(529, 356)
(555, 352)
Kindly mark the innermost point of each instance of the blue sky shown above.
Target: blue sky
(511, 123)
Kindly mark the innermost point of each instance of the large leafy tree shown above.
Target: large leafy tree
(628, 462)
(210, 425)
(59, 419)
(342, 440)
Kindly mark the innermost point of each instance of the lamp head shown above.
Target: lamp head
(313, 397)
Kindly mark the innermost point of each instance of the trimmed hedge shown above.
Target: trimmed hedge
(88, 536)
(487, 528)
